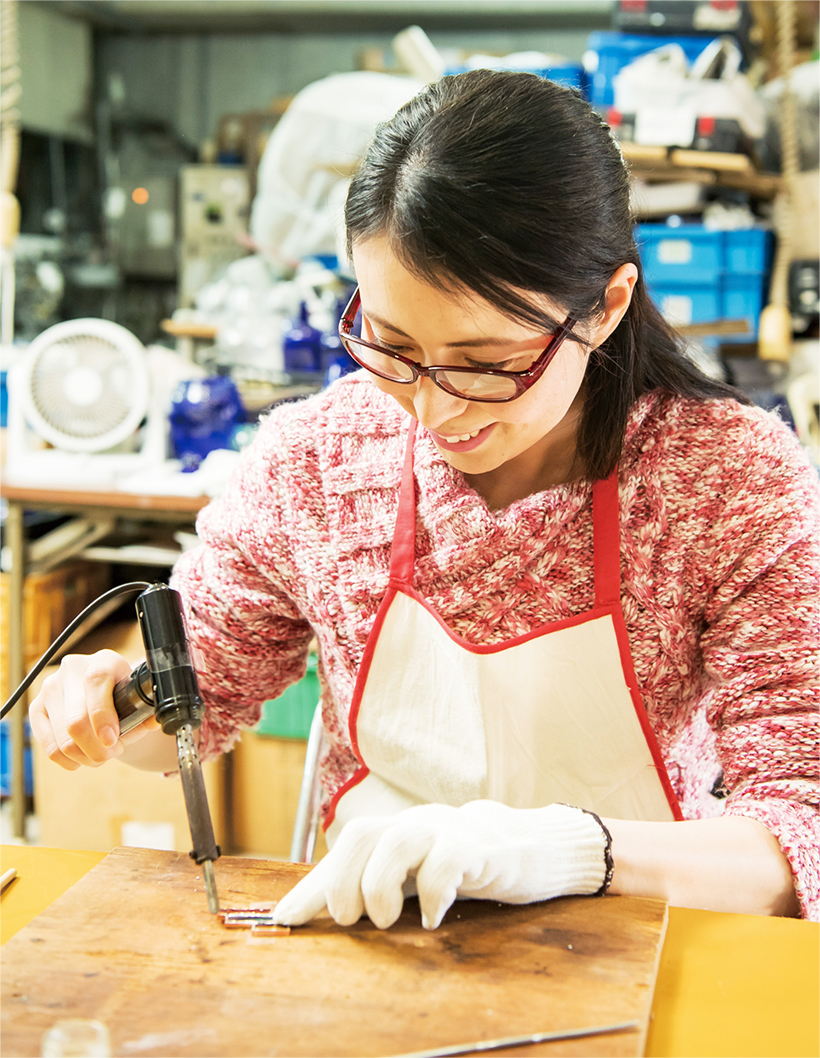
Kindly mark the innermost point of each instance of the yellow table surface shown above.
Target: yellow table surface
(729, 986)
(42, 876)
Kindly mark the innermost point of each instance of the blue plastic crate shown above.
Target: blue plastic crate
(687, 303)
(690, 254)
(742, 297)
(5, 761)
(571, 75)
(696, 275)
(747, 251)
(607, 53)
(733, 297)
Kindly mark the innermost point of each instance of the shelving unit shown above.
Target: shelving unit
(708, 167)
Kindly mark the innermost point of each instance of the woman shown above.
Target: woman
(564, 587)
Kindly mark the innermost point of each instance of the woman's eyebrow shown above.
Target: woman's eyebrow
(470, 343)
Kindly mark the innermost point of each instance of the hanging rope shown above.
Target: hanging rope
(775, 338)
(788, 151)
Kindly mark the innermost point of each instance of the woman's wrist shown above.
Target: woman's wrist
(729, 863)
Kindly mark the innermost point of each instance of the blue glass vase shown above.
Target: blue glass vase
(204, 413)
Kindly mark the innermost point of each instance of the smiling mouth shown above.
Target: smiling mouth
(462, 442)
(461, 436)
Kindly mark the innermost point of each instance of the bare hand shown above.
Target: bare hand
(73, 717)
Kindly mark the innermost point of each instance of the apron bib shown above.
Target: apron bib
(553, 715)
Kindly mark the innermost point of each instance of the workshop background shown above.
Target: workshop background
(173, 177)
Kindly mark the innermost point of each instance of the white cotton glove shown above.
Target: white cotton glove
(483, 849)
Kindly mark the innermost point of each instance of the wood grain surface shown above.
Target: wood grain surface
(133, 945)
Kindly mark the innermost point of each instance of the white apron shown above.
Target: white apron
(553, 715)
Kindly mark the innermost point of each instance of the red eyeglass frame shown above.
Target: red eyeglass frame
(522, 379)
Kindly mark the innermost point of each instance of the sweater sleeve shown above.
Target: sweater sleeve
(760, 648)
(248, 636)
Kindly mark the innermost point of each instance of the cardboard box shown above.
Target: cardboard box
(265, 785)
(101, 808)
(50, 601)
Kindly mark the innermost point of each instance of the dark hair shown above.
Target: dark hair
(506, 184)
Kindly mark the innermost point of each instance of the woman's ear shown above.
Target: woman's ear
(617, 298)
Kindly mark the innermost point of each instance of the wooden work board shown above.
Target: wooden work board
(132, 944)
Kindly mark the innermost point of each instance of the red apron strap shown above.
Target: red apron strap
(403, 549)
(606, 535)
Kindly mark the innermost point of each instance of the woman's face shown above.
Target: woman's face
(434, 326)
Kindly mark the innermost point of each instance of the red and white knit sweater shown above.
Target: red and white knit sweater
(719, 559)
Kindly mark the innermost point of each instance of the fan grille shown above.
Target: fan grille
(83, 386)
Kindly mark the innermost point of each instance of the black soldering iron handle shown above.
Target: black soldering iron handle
(174, 684)
(165, 684)
(133, 698)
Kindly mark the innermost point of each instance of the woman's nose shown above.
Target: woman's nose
(434, 406)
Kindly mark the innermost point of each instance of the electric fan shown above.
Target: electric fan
(84, 387)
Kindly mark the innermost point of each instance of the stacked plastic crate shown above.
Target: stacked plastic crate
(698, 275)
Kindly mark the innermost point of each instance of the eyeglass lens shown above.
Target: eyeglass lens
(463, 384)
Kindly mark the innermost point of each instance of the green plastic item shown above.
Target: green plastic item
(290, 715)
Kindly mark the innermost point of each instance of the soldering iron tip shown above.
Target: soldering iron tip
(210, 886)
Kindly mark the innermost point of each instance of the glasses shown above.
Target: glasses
(479, 384)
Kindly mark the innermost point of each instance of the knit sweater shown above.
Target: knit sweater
(720, 517)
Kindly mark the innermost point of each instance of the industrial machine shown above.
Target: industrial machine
(214, 206)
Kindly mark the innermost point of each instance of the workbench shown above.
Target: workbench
(727, 985)
(102, 508)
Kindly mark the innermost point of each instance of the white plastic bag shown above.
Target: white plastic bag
(310, 157)
(667, 95)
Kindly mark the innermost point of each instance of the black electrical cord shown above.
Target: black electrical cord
(131, 588)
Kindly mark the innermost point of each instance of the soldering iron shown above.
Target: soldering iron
(164, 686)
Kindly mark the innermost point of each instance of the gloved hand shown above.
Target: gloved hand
(483, 849)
